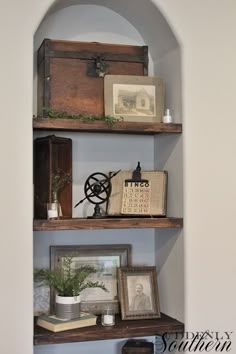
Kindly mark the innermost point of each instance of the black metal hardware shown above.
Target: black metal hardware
(136, 176)
(98, 68)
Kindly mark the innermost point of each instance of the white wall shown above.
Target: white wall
(168, 156)
(169, 244)
(207, 33)
(144, 16)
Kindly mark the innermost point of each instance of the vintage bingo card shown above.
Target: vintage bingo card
(151, 201)
(136, 198)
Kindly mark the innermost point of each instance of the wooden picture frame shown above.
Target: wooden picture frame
(134, 98)
(106, 259)
(139, 297)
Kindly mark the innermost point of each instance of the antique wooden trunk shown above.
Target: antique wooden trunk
(138, 347)
(52, 156)
(71, 74)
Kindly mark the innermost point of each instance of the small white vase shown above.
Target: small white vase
(67, 307)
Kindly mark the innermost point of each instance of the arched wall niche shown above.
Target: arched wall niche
(144, 18)
(139, 23)
(143, 15)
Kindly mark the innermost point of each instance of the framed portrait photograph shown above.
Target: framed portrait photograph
(134, 98)
(106, 259)
(139, 297)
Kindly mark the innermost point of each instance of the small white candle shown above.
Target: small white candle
(52, 209)
(108, 319)
(52, 214)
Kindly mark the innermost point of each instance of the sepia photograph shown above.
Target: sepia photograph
(134, 98)
(138, 292)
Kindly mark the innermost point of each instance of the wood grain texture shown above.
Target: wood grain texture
(71, 47)
(103, 127)
(138, 346)
(51, 154)
(122, 329)
(69, 77)
(108, 223)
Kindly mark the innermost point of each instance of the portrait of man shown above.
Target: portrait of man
(139, 293)
(140, 301)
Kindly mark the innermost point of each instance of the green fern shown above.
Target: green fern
(68, 281)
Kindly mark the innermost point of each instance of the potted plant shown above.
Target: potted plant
(68, 283)
(59, 180)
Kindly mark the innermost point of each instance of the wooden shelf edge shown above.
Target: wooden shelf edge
(103, 127)
(122, 329)
(106, 223)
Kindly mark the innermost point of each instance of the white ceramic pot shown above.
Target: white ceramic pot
(67, 308)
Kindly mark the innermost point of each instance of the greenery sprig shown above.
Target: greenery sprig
(59, 180)
(52, 113)
(68, 281)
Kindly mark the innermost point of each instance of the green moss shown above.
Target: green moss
(52, 113)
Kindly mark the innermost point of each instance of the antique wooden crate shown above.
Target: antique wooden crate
(71, 74)
(138, 347)
(51, 154)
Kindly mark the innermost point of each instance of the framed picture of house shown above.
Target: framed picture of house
(134, 98)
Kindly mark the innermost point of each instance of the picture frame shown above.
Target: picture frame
(106, 259)
(139, 297)
(134, 98)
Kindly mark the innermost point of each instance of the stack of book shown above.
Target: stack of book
(54, 324)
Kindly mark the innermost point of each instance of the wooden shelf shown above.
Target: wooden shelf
(122, 329)
(107, 223)
(103, 127)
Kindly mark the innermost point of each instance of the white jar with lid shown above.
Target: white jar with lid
(167, 117)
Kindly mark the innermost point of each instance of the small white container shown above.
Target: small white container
(53, 210)
(108, 317)
(167, 117)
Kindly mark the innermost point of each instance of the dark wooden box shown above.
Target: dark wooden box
(51, 154)
(71, 74)
(133, 346)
